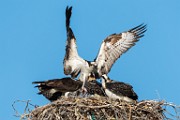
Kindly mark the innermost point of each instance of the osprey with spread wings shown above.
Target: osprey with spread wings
(111, 49)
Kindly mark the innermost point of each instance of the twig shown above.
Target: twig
(24, 115)
(93, 107)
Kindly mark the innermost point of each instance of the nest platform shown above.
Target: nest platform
(97, 108)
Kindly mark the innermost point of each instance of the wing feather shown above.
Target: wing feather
(71, 55)
(71, 47)
(121, 88)
(115, 45)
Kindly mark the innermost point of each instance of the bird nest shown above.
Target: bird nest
(97, 108)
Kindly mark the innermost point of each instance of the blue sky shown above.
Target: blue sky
(33, 38)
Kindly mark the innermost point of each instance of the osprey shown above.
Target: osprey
(111, 49)
(118, 90)
(55, 88)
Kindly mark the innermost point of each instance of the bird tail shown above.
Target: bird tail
(38, 82)
(41, 85)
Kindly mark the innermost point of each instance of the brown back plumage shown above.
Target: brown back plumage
(93, 87)
(122, 89)
(54, 89)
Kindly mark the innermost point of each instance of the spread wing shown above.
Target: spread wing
(71, 55)
(71, 47)
(115, 45)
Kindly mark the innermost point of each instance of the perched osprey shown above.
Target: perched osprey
(111, 49)
(55, 88)
(118, 90)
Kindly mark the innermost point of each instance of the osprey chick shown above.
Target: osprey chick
(118, 90)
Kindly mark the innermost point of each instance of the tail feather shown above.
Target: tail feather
(38, 82)
(39, 93)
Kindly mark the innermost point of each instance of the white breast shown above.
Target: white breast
(114, 96)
